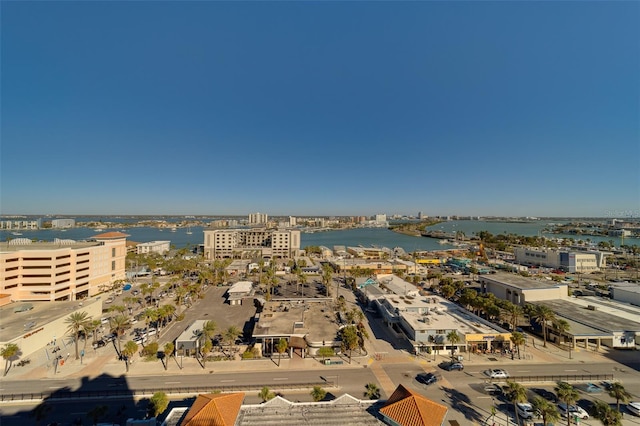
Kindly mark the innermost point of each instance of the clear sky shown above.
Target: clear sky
(321, 108)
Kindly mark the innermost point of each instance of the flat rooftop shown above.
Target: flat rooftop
(518, 281)
(608, 316)
(315, 319)
(12, 323)
(345, 411)
(6, 247)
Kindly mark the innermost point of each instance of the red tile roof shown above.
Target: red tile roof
(408, 408)
(110, 235)
(214, 409)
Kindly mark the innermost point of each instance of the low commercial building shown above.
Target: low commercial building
(626, 293)
(188, 342)
(306, 324)
(41, 326)
(427, 320)
(239, 291)
(63, 223)
(520, 290)
(62, 269)
(361, 266)
(570, 261)
(595, 321)
(160, 247)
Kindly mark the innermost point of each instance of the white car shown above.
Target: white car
(497, 374)
(573, 410)
(525, 410)
(634, 408)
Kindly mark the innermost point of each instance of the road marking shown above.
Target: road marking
(570, 370)
(484, 397)
(524, 371)
(227, 381)
(170, 383)
(54, 387)
(281, 378)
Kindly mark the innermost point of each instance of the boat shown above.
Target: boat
(189, 231)
(16, 233)
(174, 229)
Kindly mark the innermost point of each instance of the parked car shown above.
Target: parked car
(98, 344)
(109, 337)
(426, 378)
(497, 373)
(634, 408)
(525, 410)
(109, 300)
(492, 389)
(546, 394)
(572, 410)
(454, 366)
(592, 388)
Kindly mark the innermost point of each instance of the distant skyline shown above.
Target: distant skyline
(320, 108)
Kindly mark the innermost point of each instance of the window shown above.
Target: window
(113, 265)
(113, 252)
(439, 331)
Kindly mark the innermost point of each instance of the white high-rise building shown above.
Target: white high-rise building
(258, 219)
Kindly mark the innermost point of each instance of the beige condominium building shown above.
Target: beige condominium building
(60, 270)
(251, 243)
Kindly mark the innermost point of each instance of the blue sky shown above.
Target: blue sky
(320, 108)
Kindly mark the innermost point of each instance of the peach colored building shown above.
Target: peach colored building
(62, 269)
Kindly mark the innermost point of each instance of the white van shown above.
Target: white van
(525, 410)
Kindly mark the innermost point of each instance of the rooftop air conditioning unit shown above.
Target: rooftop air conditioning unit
(591, 307)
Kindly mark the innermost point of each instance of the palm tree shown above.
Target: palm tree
(518, 340)
(231, 335)
(169, 348)
(618, 392)
(607, 415)
(9, 351)
(568, 395)
(516, 393)
(543, 315)
(547, 410)
(454, 338)
(77, 321)
(130, 348)
(514, 312)
(265, 394)
(318, 394)
(281, 347)
(561, 326)
(372, 391)
(119, 325)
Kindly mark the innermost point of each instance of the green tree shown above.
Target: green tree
(265, 394)
(543, 315)
(547, 410)
(157, 404)
(318, 394)
(76, 322)
(372, 391)
(130, 348)
(568, 395)
(10, 351)
(97, 413)
(230, 336)
(281, 347)
(119, 325)
(454, 338)
(169, 348)
(561, 327)
(518, 340)
(607, 415)
(326, 351)
(516, 393)
(349, 339)
(618, 392)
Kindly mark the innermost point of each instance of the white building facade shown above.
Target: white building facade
(251, 243)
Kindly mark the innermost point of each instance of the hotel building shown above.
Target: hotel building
(249, 243)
